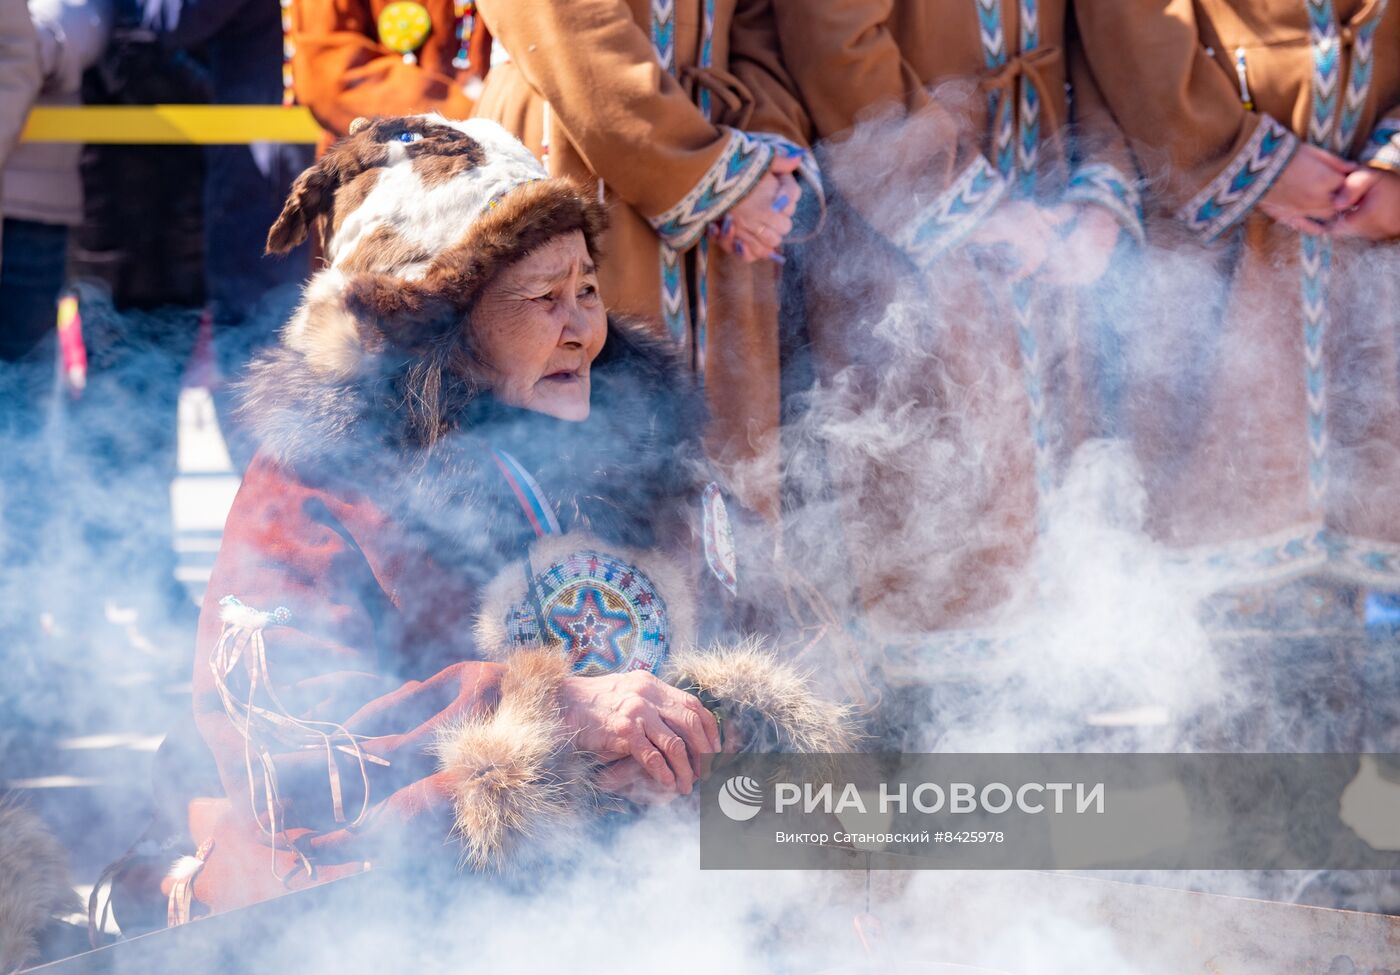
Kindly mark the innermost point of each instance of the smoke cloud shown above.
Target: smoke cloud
(1054, 620)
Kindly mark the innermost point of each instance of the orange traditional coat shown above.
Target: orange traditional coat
(342, 68)
(674, 111)
(1273, 445)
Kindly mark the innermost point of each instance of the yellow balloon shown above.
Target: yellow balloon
(404, 26)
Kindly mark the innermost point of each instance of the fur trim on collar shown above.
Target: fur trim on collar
(619, 474)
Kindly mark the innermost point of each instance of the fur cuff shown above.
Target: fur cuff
(771, 701)
(515, 776)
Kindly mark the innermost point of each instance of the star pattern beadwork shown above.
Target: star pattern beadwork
(603, 614)
(592, 634)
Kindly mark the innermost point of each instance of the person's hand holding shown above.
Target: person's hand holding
(626, 779)
(637, 716)
(1019, 233)
(1304, 197)
(1370, 205)
(1090, 236)
(755, 227)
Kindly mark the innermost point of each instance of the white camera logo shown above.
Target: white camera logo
(741, 798)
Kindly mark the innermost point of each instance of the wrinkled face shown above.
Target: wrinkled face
(538, 327)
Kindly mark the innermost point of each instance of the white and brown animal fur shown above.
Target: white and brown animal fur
(522, 791)
(416, 215)
(412, 231)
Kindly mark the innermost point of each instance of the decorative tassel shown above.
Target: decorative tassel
(241, 641)
(182, 873)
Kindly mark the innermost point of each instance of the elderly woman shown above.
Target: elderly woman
(681, 117)
(469, 567)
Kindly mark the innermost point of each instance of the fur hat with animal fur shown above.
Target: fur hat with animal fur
(414, 216)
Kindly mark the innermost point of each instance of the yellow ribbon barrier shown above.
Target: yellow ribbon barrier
(171, 124)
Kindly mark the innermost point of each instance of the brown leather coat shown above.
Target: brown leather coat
(937, 65)
(933, 114)
(1273, 452)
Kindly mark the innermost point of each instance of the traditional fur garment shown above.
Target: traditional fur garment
(621, 474)
(416, 215)
(515, 776)
(350, 696)
(34, 885)
(626, 481)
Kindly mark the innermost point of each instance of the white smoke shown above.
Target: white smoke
(1093, 637)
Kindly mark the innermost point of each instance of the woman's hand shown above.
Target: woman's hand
(1370, 205)
(628, 780)
(755, 227)
(1020, 234)
(1305, 195)
(638, 716)
(1083, 254)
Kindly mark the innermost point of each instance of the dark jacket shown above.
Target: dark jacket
(241, 42)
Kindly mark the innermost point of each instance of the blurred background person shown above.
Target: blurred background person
(1263, 395)
(42, 192)
(19, 74)
(137, 263)
(684, 120)
(249, 293)
(979, 184)
(41, 200)
(1273, 447)
(352, 58)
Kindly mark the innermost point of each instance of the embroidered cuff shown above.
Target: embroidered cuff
(1246, 177)
(1108, 187)
(742, 164)
(1383, 148)
(954, 214)
(811, 212)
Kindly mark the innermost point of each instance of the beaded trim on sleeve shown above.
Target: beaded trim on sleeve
(1246, 178)
(742, 164)
(954, 213)
(1383, 148)
(1110, 188)
(807, 169)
